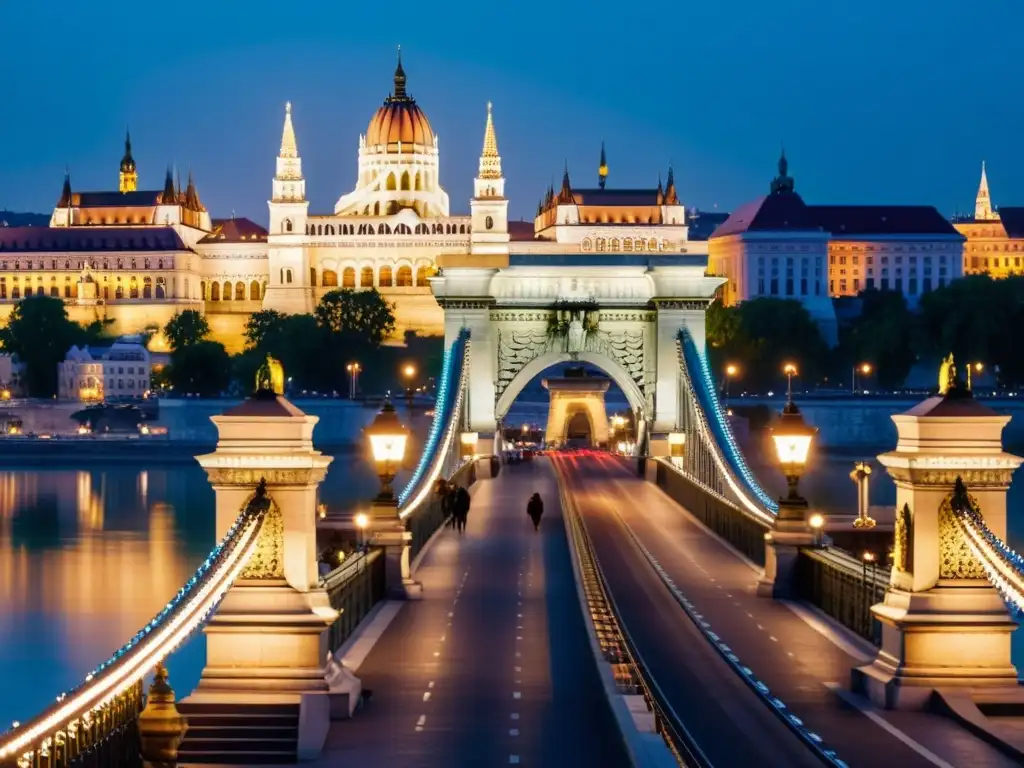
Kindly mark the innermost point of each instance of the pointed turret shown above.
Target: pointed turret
(288, 145)
(602, 168)
(660, 194)
(192, 201)
(565, 195)
(671, 198)
(983, 210)
(400, 78)
(490, 160)
(128, 178)
(65, 193)
(783, 182)
(169, 196)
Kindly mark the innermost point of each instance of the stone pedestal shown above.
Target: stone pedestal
(782, 550)
(267, 641)
(390, 534)
(943, 625)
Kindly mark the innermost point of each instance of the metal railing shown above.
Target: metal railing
(632, 676)
(430, 516)
(353, 589)
(843, 587)
(723, 517)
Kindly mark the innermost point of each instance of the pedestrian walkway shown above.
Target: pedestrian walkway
(807, 667)
(492, 666)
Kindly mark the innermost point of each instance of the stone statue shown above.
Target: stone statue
(577, 336)
(947, 375)
(270, 377)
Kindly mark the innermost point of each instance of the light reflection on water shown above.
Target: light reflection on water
(88, 556)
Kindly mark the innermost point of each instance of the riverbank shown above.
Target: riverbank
(129, 450)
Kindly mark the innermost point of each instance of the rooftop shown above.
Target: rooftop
(90, 239)
(782, 212)
(852, 220)
(235, 230)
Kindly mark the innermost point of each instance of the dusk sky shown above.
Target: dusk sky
(877, 101)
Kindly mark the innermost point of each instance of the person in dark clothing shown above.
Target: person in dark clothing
(446, 493)
(461, 507)
(535, 509)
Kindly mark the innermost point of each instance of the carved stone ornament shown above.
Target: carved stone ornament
(242, 476)
(956, 561)
(267, 561)
(903, 541)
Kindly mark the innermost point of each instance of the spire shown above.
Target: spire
(602, 168)
(671, 198)
(288, 146)
(400, 78)
(983, 202)
(783, 182)
(128, 178)
(191, 195)
(565, 196)
(168, 197)
(660, 194)
(490, 160)
(65, 193)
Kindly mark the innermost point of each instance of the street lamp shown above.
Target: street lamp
(975, 368)
(816, 523)
(731, 372)
(362, 523)
(864, 369)
(353, 369)
(792, 438)
(388, 437)
(409, 373)
(467, 444)
(790, 370)
(860, 474)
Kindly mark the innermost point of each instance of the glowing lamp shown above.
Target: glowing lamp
(677, 445)
(622, 448)
(792, 437)
(5, 394)
(816, 521)
(388, 437)
(467, 444)
(362, 521)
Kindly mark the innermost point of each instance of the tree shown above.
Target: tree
(260, 325)
(882, 336)
(40, 334)
(202, 368)
(186, 329)
(363, 317)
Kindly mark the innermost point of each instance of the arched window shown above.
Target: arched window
(405, 180)
(67, 288)
(329, 229)
(288, 276)
(214, 291)
(159, 263)
(286, 226)
(403, 229)
(384, 277)
(329, 278)
(390, 183)
(376, 209)
(419, 182)
(226, 291)
(627, 243)
(312, 276)
(54, 293)
(404, 277)
(254, 290)
(67, 264)
(202, 290)
(600, 243)
(118, 292)
(16, 292)
(588, 245)
(348, 277)
(462, 229)
(28, 292)
(160, 287)
(383, 229)
(652, 244)
(147, 287)
(133, 288)
(239, 291)
(613, 244)
(3, 290)
(421, 276)
(366, 277)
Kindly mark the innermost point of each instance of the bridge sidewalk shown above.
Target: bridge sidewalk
(807, 667)
(492, 667)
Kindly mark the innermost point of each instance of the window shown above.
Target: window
(817, 288)
(587, 244)
(287, 225)
(927, 284)
(384, 277)
(404, 277)
(842, 286)
(348, 278)
(803, 286)
(775, 286)
(856, 285)
(627, 244)
(789, 286)
(870, 283)
(488, 223)
(329, 278)
(118, 292)
(214, 291)
(912, 290)
(600, 243)
(254, 290)
(239, 291)
(366, 277)
(760, 285)
(288, 276)
(228, 293)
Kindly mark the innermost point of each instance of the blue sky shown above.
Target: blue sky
(877, 101)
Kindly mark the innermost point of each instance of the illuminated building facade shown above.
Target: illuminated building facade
(995, 238)
(120, 371)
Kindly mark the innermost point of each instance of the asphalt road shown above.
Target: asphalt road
(799, 664)
(493, 666)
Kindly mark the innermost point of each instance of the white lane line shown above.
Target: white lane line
(450, 614)
(518, 654)
(513, 731)
(422, 721)
(442, 638)
(519, 669)
(513, 759)
(516, 695)
(886, 726)
(515, 715)
(760, 627)
(430, 684)
(773, 638)
(426, 696)
(436, 654)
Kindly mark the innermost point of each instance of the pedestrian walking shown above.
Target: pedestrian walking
(461, 504)
(535, 509)
(445, 492)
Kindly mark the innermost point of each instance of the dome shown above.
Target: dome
(399, 121)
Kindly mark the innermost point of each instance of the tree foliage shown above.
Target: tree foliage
(40, 333)
(186, 329)
(261, 324)
(202, 368)
(364, 317)
(883, 336)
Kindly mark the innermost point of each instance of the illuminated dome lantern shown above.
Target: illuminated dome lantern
(398, 161)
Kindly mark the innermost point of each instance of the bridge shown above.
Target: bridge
(667, 612)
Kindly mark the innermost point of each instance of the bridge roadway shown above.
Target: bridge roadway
(800, 664)
(492, 666)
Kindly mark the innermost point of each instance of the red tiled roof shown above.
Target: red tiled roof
(235, 230)
(520, 230)
(783, 212)
(43, 239)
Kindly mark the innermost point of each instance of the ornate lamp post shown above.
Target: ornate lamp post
(353, 369)
(790, 370)
(864, 369)
(362, 522)
(792, 437)
(731, 372)
(860, 474)
(388, 438)
(409, 374)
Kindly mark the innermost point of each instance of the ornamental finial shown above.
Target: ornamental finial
(270, 378)
(947, 375)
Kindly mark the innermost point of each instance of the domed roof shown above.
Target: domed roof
(399, 123)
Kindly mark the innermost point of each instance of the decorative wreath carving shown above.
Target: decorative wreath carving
(956, 561)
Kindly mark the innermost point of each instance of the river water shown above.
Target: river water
(88, 555)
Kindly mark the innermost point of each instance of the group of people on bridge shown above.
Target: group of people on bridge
(455, 503)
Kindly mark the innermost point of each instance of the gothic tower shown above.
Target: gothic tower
(129, 178)
(489, 206)
(289, 289)
(602, 169)
(983, 202)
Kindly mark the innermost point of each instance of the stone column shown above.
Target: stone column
(943, 624)
(268, 640)
(390, 533)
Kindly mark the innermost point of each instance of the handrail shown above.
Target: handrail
(724, 448)
(450, 395)
(349, 567)
(185, 612)
(677, 737)
(842, 560)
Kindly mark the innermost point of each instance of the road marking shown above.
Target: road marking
(885, 725)
(513, 759)
(450, 614)
(750, 615)
(760, 627)
(519, 637)
(519, 615)
(422, 721)
(773, 638)
(519, 669)
(430, 684)
(515, 715)
(426, 696)
(442, 638)
(517, 695)
(518, 654)
(513, 731)
(436, 654)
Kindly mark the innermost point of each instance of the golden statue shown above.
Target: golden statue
(270, 377)
(947, 375)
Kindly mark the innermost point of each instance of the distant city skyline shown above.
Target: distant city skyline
(897, 112)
